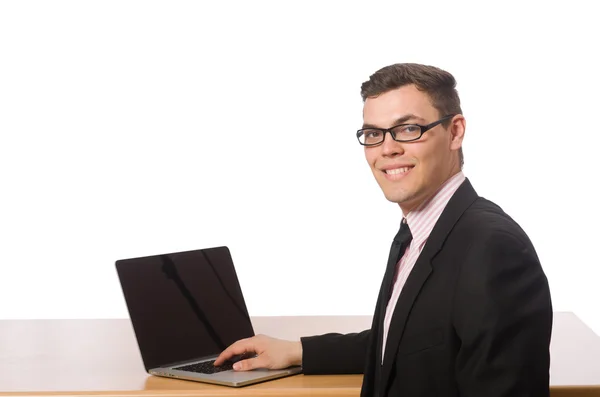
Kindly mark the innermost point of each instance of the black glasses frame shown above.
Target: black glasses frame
(423, 128)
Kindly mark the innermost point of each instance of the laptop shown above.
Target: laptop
(185, 308)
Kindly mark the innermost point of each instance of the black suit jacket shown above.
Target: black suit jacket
(473, 319)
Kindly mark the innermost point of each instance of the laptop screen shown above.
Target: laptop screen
(184, 305)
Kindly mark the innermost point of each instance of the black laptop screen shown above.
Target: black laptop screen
(184, 305)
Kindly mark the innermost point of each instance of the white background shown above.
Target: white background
(132, 128)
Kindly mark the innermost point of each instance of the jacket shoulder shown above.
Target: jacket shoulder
(484, 219)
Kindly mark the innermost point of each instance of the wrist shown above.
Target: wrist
(297, 355)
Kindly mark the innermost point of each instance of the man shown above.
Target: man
(464, 308)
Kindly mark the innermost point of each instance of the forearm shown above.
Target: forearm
(335, 353)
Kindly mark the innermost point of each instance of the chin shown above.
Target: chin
(396, 192)
(401, 197)
(396, 198)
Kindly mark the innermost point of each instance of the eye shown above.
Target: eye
(408, 130)
(372, 134)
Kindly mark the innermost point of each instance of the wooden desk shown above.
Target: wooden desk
(100, 357)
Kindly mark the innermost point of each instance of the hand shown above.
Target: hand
(271, 353)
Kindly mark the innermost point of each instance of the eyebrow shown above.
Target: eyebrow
(401, 120)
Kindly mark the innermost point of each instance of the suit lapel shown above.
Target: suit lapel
(410, 291)
(464, 196)
(373, 370)
(384, 293)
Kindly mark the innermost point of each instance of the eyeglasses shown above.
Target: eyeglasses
(399, 133)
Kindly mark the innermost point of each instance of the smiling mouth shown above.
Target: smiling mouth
(397, 171)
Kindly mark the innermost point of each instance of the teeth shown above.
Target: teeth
(398, 171)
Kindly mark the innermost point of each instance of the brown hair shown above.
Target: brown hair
(438, 84)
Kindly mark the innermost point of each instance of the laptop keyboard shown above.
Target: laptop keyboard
(206, 367)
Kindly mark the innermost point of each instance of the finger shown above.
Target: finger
(239, 347)
(251, 363)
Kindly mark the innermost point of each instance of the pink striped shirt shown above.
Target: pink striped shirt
(420, 221)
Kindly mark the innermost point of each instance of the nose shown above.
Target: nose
(390, 147)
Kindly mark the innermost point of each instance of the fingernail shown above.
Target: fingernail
(237, 366)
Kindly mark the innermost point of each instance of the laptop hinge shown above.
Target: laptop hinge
(189, 361)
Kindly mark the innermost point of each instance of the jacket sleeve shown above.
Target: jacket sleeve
(335, 353)
(503, 317)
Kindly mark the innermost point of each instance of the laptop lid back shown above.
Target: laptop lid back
(184, 305)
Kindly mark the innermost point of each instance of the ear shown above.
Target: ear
(457, 131)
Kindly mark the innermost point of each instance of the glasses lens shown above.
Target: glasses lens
(407, 132)
(371, 137)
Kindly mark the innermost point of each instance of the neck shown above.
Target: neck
(422, 201)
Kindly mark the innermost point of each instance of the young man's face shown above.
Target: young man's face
(411, 172)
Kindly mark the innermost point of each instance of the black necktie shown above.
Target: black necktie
(404, 236)
(399, 245)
